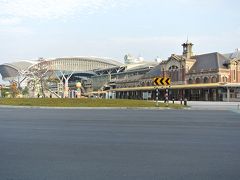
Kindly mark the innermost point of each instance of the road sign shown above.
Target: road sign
(165, 81)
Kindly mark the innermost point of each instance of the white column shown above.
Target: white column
(66, 88)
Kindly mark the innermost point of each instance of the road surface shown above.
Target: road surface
(58, 144)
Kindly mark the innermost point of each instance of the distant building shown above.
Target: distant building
(129, 59)
(112, 77)
(68, 70)
(209, 77)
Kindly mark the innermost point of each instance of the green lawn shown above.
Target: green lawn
(52, 102)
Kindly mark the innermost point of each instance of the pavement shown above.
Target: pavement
(206, 105)
(106, 144)
(211, 105)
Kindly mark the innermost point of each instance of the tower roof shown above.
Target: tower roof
(187, 43)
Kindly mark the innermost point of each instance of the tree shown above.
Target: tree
(39, 74)
(25, 91)
(4, 92)
(14, 89)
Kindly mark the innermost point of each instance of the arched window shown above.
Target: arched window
(173, 67)
(205, 80)
(224, 79)
(173, 73)
(190, 81)
(234, 74)
(214, 79)
(198, 81)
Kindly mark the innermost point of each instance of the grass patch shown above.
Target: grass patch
(52, 102)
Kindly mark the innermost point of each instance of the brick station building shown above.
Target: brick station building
(209, 77)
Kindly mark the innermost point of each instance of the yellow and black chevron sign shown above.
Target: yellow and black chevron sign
(164, 81)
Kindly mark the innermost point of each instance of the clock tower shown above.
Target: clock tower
(187, 49)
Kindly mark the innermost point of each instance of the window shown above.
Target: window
(173, 67)
(224, 79)
(190, 81)
(205, 80)
(214, 79)
(198, 80)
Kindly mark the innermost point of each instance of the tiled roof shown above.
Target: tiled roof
(156, 71)
(208, 62)
(234, 55)
(204, 62)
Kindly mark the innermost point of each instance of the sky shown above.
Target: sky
(30, 29)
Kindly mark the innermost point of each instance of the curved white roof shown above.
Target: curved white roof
(81, 63)
(90, 58)
(11, 70)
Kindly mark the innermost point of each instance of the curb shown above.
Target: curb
(96, 108)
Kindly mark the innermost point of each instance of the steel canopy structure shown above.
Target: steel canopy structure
(82, 63)
(11, 71)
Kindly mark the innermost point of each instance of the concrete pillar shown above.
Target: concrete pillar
(214, 94)
(228, 94)
(206, 95)
(121, 95)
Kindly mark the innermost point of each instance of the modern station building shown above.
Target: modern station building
(208, 77)
(67, 70)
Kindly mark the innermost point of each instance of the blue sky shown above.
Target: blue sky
(112, 28)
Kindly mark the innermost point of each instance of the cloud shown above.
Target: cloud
(54, 9)
(197, 2)
(9, 21)
(144, 40)
(164, 46)
(15, 30)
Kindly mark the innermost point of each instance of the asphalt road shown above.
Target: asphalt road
(48, 144)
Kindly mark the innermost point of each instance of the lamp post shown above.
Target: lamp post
(78, 86)
(157, 96)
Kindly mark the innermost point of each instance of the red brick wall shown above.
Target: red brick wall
(178, 75)
(238, 77)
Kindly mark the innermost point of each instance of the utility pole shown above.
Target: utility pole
(166, 96)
